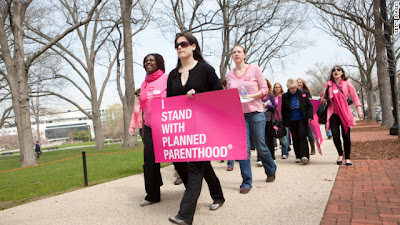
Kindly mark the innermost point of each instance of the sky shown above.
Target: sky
(325, 50)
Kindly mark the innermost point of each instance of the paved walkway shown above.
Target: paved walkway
(298, 196)
(366, 193)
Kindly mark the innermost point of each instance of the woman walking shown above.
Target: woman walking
(339, 116)
(284, 141)
(297, 112)
(302, 85)
(193, 75)
(154, 86)
(249, 80)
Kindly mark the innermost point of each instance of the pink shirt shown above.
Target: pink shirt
(154, 89)
(136, 117)
(254, 82)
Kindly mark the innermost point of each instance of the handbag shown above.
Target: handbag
(279, 129)
(322, 111)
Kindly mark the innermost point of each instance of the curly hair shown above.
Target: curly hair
(159, 61)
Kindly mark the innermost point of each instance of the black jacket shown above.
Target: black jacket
(304, 102)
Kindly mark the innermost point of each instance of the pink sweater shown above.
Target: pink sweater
(347, 89)
(253, 80)
(154, 89)
(136, 117)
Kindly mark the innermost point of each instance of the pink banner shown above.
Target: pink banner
(208, 127)
(314, 125)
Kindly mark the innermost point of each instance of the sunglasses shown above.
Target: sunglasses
(336, 69)
(183, 44)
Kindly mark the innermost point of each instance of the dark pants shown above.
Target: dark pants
(299, 131)
(269, 138)
(336, 122)
(198, 170)
(152, 175)
(182, 169)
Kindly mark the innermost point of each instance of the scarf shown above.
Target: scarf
(342, 107)
(144, 103)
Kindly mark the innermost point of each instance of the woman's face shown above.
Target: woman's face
(337, 72)
(150, 64)
(300, 84)
(238, 54)
(183, 48)
(292, 90)
(277, 89)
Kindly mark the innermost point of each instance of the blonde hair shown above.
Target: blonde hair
(277, 94)
(305, 87)
(269, 87)
(291, 83)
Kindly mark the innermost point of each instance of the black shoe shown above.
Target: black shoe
(339, 162)
(177, 220)
(215, 206)
(348, 163)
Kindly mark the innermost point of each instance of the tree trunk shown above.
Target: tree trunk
(98, 131)
(382, 69)
(370, 101)
(128, 102)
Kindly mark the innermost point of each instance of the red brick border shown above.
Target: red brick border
(366, 193)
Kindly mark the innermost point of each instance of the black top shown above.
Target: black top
(202, 78)
(304, 102)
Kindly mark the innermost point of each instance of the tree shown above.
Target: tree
(141, 22)
(361, 44)
(18, 63)
(350, 10)
(319, 75)
(114, 120)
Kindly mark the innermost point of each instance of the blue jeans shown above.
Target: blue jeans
(231, 163)
(255, 127)
(328, 132)
(285, 142)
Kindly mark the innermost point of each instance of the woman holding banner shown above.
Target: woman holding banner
(278, 91)
(250, 82)
(339, 116)
(193, 75)
(297, 112)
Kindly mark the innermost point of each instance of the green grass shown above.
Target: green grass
(29, 184)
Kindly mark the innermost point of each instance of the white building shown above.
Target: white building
(58, 124)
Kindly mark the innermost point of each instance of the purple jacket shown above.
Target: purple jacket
(269, 114)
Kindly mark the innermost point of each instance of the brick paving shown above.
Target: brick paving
(366, 193)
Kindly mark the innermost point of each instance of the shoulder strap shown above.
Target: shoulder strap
(277, 114)
(338, 87)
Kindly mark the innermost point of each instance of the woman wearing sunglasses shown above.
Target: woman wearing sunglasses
(193, 75)
(297, 112)
(250, 82)
(339, 116)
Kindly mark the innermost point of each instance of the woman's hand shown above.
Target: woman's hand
(190, 94)
(360, 112)
(130, 132)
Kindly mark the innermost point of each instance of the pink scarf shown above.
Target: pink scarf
(342, 107)
(143, 89)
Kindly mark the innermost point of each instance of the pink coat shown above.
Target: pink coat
(136, 117)
(347, 89)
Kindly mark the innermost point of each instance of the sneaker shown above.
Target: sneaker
(178, 181)
(284, 156)
(222, 161)
(229, 168)
(271, 178)
(329, 137)
(297, 161)
(304, 160)
(244, 190)
(259, 163)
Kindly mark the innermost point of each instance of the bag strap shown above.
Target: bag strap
(277, 114)
(326, 95)
(339, 88)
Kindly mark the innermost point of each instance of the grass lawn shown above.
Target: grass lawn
(29, 184)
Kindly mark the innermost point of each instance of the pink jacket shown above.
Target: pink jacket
(347, 89)
(154, 89)
(253, 80)
(136, 117)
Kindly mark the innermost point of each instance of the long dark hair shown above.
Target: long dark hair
(159, 61)
(343, 75)
(192, 40)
